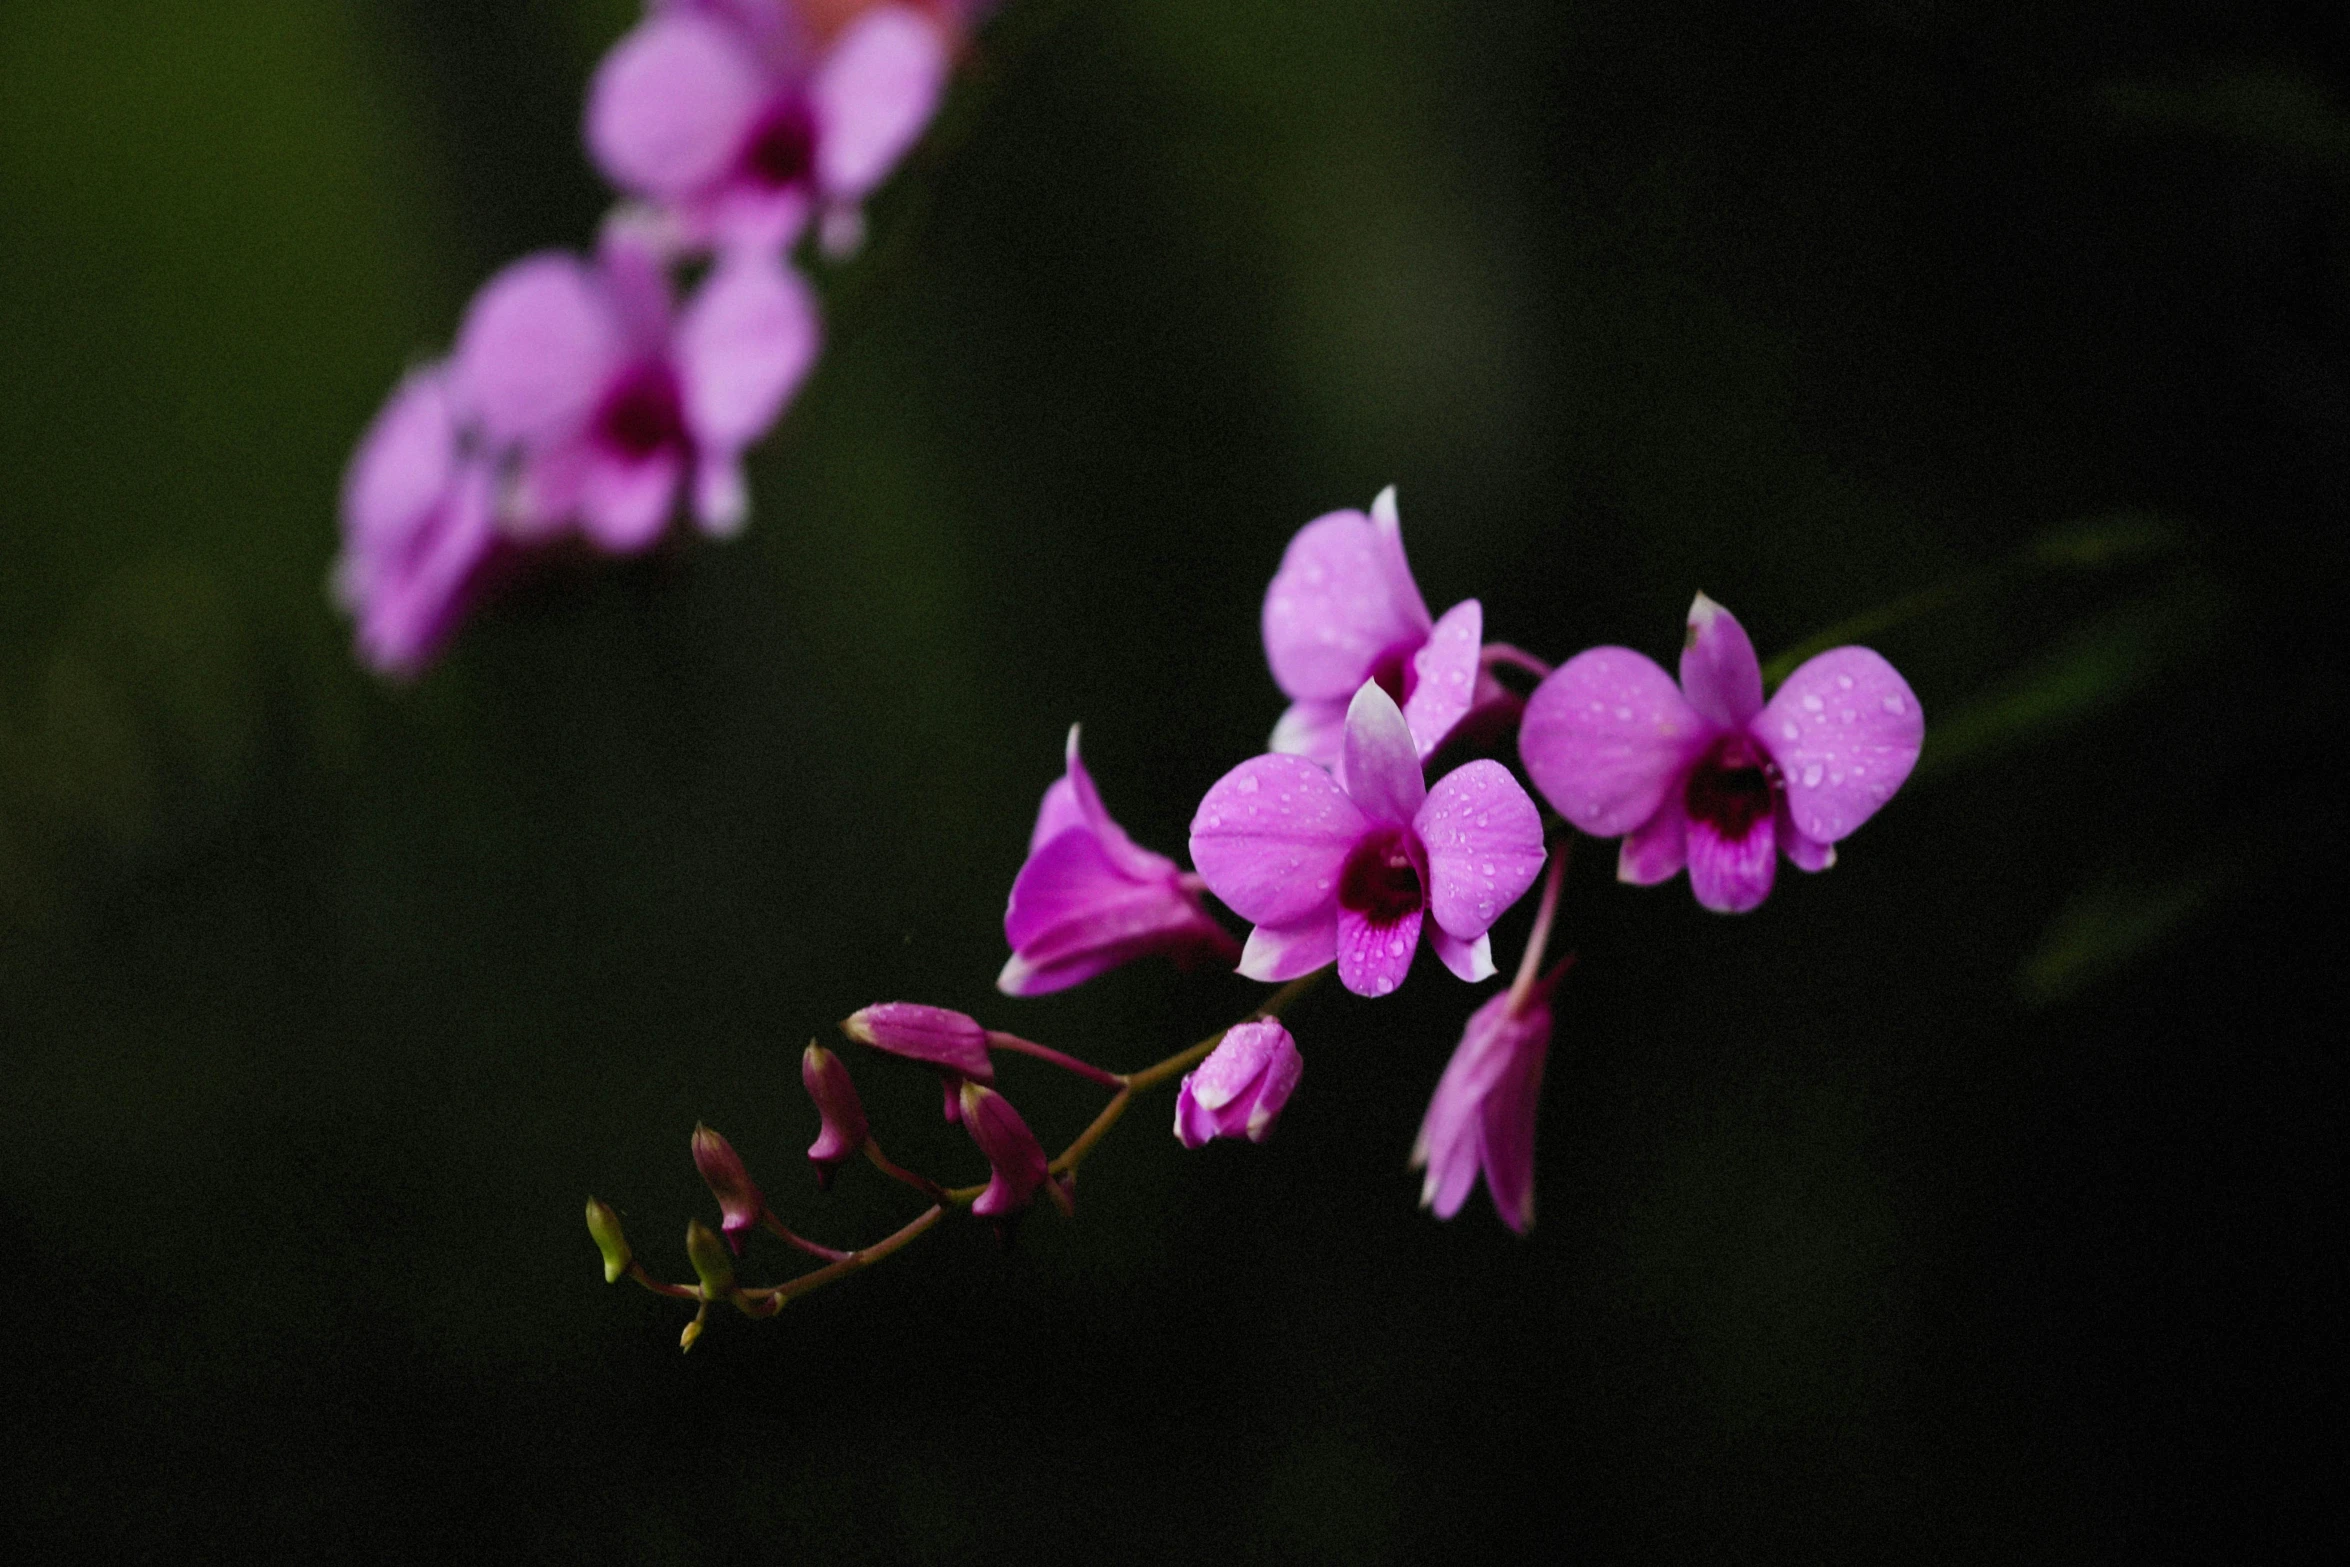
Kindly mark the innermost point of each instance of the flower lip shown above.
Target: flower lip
(1397, 670)
(1732, 787)
(780, 152)
(1381, 879)
(644, 413)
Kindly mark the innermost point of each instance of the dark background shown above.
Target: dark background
(1966, 1203)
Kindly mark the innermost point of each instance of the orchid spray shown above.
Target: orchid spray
(1343, 855)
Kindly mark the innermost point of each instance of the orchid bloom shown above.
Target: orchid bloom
(617, 399)
(1481, 1119)
(1240, 1089)
(730, 115)
(1706, 774)
(1089, 898)
(418, 530)
(1344, 609)
(1348, 871)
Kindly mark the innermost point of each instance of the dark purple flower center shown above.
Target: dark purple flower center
(1733, 788)
(1394, 673)
(782, 149)
(1380, 881)
(642, 415)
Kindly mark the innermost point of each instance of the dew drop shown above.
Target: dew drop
(1790, 731)
(1893, 704)
(1248, 786)
(1811, 776)
(1812, 703)
(1843, 682)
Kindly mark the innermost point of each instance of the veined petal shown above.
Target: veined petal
(1484, 842)
(670, 106)
(744, 344)
(1124, 852)
(1278, 952)
(1447, 668)
(1845, 730)
(1606, 737)
(1382, 763)
(1315, 731)
(1271, 838)
(1387, 523)
(877, 89)
(1468, 960)
(1656, 850)
(1373, 958)
(1720, 675)
(538, 346)
(1506, 1132)
(1333, 608)
(1732, 875)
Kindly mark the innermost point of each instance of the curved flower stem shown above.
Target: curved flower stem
(998, 1040)
(783, 1232)
(1517, 657)
(636, 1271)
(849, 1262)
(898, 1172)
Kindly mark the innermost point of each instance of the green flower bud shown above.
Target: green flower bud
(604, 1225)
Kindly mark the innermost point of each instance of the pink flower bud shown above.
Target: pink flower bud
(845, 1129)
(1239, 1089)
(949, 1041)
(738, 1199)
(1016, 1160)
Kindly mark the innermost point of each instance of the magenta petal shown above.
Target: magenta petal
(413, 595)
(1315, 731)
(1282, 952)
(1845, 730)
(1447, 668)
(876, 91)
(1056, 814)
(1720, 675)
(1073, 914)
(1382, 763)
(1271, 838)
(1484, 841)
(539, 344)
(1807, 854)
(1468, 960)
(670, 106)
(1123, 851)
(1387, 526)
(624, 506)
(744, 344)
(1016, 1160)
(1333, 608)
(1506, 1134)
(1195, 1123)
(1606, 736)
(1373, 958)
(1732, 875)
(1657, 849)
(404, 462)
(1237, 1062)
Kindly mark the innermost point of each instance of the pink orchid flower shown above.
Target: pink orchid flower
(1344, 609)
(1348, 871)
(1705, 775)
(1089, 898)
(617, 400)
(728, 114)
(1240, 1089)
(418, 529)
(1481, 1119)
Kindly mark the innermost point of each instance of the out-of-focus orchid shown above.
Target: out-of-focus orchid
(616, 399)
(1705, 775)
(418, 529)
(745, 118)
(1344, 609)
(1348, 872)
(1089, 898)
(1240, 1089)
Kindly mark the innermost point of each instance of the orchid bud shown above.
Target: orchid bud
(934, 1036)
(1240, 1088)
(845, 1129)
(713, 1265)
(1016, 1160)
(604, 1225)
(738, 1198)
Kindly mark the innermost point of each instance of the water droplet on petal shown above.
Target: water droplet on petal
(1248, 786)
(1892, 704)
(1812, 704)
(1843, 682)
(1811, 776)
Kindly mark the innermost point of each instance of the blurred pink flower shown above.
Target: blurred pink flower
(1347, 872)
(1089, 898)
(1343, 609)
(1705, 775)
(734, 116)
(1240, 1089)
(418, 529)
(616, 400)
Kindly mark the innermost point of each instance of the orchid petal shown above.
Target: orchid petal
(744, 344)
(1315, 731)
(1129, 856)
(875, 92)
(404, 462)
(1382, 764)
(670, 106)
(1732, 875)
(1656, 850)
(1845, 730)
(539, 343)
(624, 505)
(1387, 524)
(1484, 841)
(1373, 958)
(1506, 1136)
(1272, 836)
(1281, 952)
(1333, 608)
(1606, 736)
(1720, 675)
(1468, 960)
(1805, 853)
(1447, 669)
